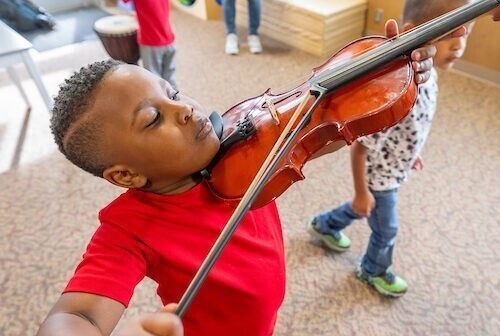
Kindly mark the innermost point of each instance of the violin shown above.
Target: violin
(364, 88)
(369, 104)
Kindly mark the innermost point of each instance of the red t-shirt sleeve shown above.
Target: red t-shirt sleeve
(112, 266)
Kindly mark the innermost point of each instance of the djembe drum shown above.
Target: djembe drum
(118, 34)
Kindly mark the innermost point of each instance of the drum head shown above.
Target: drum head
(116, 25)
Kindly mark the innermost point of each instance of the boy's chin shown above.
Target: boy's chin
(447, 65)
(211, 150)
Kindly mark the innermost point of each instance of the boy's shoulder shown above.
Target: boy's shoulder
(129, 212)
(123, 205)
(137, 206)
(119, 201)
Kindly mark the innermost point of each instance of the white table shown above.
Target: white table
(16, 49)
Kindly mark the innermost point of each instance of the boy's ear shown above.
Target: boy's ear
(408, 25)
(124, 176)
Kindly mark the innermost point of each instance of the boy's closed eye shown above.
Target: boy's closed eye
(157, 113)
(157, 117)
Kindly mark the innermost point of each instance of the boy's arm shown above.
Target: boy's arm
(330, 148)
(363, 201)
(82, 314)
(92, 315)
(418, 164)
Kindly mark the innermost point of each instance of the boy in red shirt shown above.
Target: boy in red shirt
(156, 37)
(149, 138)
(123, 123)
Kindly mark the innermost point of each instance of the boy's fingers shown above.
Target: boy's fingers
(425, 52)
(422, 77)
(459, 32)
(422, 66)
(422, 62)
(170, 308)
(391, 28)
(407, 26)
(162, 324)
(361, 212)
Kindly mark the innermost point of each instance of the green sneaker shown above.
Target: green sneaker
(336, 240)
(387, 284)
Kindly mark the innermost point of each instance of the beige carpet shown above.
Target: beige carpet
(449, 212)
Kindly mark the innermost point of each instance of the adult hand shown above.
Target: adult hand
(363, 203)
(164, 323)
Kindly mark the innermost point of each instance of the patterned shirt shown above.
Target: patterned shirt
(390, 154)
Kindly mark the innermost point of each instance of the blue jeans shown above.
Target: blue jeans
(228, 7)
(383, 222)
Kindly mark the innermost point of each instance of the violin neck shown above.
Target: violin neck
(399, 46)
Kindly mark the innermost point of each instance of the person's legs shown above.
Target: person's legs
(254, 44)
(160, 61)
(375, 265)
(254, 10)
(384, 224)
(168, 65)
(336, 219)
(327, 227)
(228, 8)
(229, 11)
(152, 59)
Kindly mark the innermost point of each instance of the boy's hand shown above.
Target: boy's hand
(496, 14)
(164, 323)
(363, 203)
(418, 164)
(421, 57)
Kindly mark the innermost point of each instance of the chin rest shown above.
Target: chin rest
(217, 124)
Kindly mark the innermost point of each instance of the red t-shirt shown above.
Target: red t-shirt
(167, 237)
(153, 17)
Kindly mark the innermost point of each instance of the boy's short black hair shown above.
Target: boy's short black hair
(78, 138)
(420, 11)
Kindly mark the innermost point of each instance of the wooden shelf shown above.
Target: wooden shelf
(320, 27)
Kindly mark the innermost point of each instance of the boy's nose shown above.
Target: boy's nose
(185, 113)
(459, 43)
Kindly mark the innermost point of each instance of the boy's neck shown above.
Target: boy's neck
(175, 188)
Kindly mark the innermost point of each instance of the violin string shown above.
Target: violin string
(395, 47)
(279, 91)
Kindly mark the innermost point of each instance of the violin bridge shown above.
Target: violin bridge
(273, 112)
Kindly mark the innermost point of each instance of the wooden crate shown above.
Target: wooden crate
(320, 27)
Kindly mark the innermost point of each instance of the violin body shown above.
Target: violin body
(367, 105)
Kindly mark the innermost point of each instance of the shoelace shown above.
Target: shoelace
(335, 234)
(389, 277)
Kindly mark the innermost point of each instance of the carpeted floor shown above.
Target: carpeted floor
(449, 212)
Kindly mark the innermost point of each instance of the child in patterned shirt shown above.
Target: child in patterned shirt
(381, 162)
